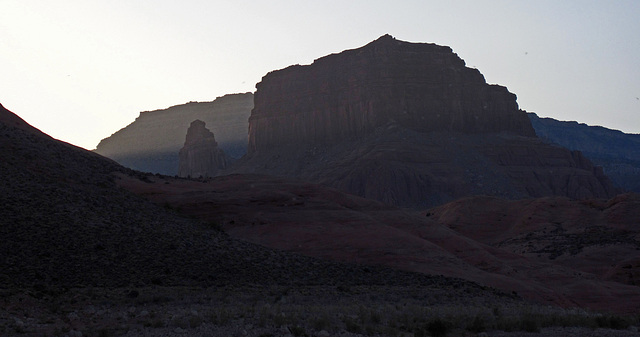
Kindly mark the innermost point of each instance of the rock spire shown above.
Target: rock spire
(200, 156)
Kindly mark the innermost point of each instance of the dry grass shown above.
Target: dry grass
(275, 310)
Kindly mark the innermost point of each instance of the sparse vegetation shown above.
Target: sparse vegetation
(298, 311)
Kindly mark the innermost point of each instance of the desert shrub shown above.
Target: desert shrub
(321, 323)
(376, 318)
(221, 317)
(157, 323)
(180, 322)
(507, 324)
(612, 322)
(436, 328)
(529, 325)
(477, 325)
(195, 321)
(352, 326)
(298, 331)
(279, 320)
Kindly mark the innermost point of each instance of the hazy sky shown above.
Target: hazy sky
(80, 70)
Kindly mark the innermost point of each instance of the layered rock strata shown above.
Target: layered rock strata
(406, 168)
(201, 156)
(407, 124)
(424, 87)
(152, 142)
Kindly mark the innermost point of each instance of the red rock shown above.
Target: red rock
(407, 124)
(424, 87)
(201, 156)
(412, 169)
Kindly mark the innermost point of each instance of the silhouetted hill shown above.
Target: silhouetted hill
(64, 222)
(152, 142)
(617, 152)
(80, 255)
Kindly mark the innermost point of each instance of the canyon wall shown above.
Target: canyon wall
(420, 86)
(410, 125)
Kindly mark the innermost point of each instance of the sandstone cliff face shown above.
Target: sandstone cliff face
(540, 169)
(201, 156)
(407, 168)
(407, 124)
(424, 87)
(151, 143)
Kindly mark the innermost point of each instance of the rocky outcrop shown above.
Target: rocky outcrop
(201, 156)
(424, 87)
(407, 124)
(616, 152)
(151, 143)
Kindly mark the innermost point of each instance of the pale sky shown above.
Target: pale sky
(79, 70)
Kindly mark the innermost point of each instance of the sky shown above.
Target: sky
(80, 70)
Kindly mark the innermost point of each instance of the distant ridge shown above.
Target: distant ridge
(617, 152)
(152, 142)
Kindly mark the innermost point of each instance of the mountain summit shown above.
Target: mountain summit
(420, 86)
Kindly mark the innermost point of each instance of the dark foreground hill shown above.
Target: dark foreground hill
(618, 153)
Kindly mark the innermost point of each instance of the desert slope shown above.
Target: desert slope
(322, 222)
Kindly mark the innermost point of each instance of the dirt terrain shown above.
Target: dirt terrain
(322, 222)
